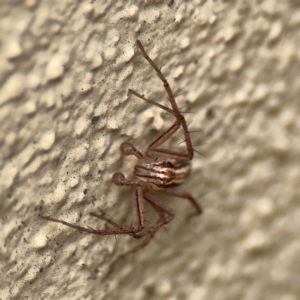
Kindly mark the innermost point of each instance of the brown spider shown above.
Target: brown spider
(159, 169)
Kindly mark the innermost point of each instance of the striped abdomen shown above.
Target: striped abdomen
(162, 174)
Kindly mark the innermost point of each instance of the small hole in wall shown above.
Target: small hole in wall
(210, 113)
(95, 119)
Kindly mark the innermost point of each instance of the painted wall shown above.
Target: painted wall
(65, 62)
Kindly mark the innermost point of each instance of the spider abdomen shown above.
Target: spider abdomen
(162, 174)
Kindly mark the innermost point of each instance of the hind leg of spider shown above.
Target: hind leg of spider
(131, 231)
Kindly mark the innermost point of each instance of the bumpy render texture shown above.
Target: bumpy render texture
(66, 68)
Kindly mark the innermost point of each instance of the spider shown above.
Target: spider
(159, 169)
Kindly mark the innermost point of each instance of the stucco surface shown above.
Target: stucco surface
(65, 62)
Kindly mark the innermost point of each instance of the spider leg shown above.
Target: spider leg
(131, 231)
(109, 221)
(145, 242)
(161, 77)
(180, 120)
(186, 196)
(169, 110)
(161, 208)
(153, 148)
(163, 220)
(148, 232)
(159, 211)
(161, 152)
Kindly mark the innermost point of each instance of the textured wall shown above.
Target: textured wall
(65, 62)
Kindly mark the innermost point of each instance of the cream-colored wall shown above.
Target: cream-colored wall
(63, 62)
